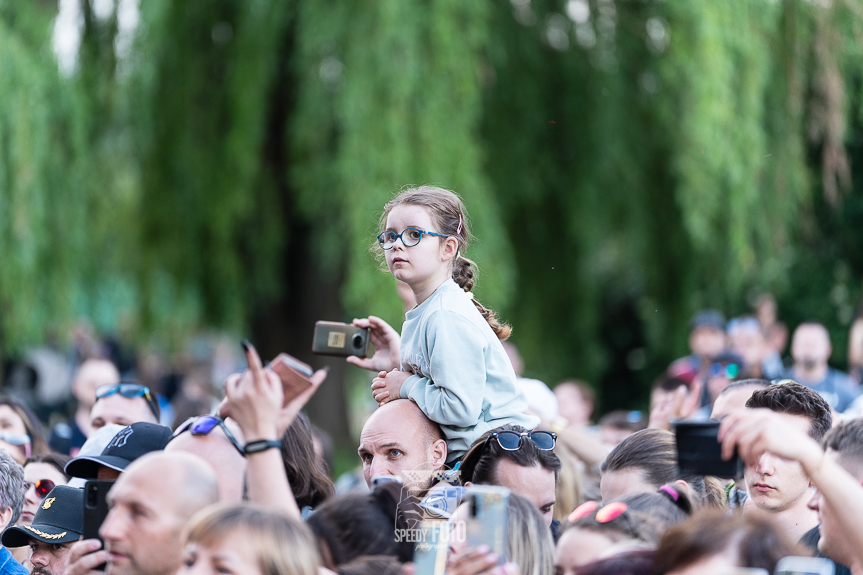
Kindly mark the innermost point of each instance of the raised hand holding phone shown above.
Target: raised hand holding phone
(386, 341)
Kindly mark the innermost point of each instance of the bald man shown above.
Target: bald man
(220, 454)
(149, 505)
(398, 439)
(93, 373)
(810, 348)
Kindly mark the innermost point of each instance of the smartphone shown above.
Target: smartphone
(295, 376)
(95, 510)
(431, 548)
(342, 339)
(487, 518)
(700, 453)
(379, 480)
(804, 566)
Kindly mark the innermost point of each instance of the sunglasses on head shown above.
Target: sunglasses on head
(131, 391)
(513, 440)
(204, 424)
(42, 487)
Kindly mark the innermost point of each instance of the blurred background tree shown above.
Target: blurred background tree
(168, 167)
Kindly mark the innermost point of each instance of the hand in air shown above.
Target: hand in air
(756, 431)
(387, 386)
(387, 344)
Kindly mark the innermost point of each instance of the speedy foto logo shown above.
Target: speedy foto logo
(427, 524)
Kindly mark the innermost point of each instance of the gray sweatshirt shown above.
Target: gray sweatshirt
(463, 379)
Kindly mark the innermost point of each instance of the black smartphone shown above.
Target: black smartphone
(700, 453)
(95, 510)
(342, 339)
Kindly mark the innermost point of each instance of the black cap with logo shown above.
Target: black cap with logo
(60, 519)
(129, 444)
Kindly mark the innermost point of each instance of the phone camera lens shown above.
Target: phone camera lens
(357, 341)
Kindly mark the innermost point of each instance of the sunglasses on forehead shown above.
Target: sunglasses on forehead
(131, 391)
(204, 424)
(42, 487)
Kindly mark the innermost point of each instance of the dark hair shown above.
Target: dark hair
(372, 565)
(846, 439)
(654, 453)
(38, 445)
(307, 476)
(56, 460)
(479, 464)
(754, 382)
(632, 563)
(448, 213)
(795, 399)
(755, 539)
(364, 524)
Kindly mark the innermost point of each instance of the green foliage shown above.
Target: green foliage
(623, 164)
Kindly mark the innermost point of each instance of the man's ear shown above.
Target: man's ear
(5, 518)
(468, 483)
(438, 452)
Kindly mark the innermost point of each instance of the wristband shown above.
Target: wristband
(261, 445)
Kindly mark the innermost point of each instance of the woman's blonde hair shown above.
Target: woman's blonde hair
(449, 215)
(282, 545)
(529, 543)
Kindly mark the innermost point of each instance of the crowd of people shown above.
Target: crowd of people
(468, 468)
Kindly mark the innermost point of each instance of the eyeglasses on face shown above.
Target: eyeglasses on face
(204, 424)
(727, 370)
(129, 390)
(409, 236)
(42, 487)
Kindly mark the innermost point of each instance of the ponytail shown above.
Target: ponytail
(462, 274)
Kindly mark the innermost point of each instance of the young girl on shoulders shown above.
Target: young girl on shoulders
(449, 359)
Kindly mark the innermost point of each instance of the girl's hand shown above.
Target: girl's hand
(387, 344)
(478, 561)
(386, 387)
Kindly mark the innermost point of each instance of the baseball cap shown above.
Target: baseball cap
(129, 444)
(707, 318)
(60, 519)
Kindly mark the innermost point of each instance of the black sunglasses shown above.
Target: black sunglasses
(204, 424)
(129, 390)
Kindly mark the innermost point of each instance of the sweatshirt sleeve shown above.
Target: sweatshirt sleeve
(454, 393)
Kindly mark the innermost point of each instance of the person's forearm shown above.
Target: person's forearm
(843, 494)
(586, 446)
(267, 482)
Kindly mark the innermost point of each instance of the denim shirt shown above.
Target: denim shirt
(8, 564)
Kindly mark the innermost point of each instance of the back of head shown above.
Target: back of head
(653, 451)
(794, 399)
(667, 507)
(632, 563)
(754, 383)
(187, 479)
(449, 215)
(846, 439)
(480, 463)
(281, 545)
(353, 525)
(529, 543)
(309, 482)
(752, 540)
(11, 487)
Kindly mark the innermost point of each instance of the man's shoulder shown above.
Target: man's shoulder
(8, 564)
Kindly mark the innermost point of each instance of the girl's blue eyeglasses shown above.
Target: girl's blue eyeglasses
(409, 236)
